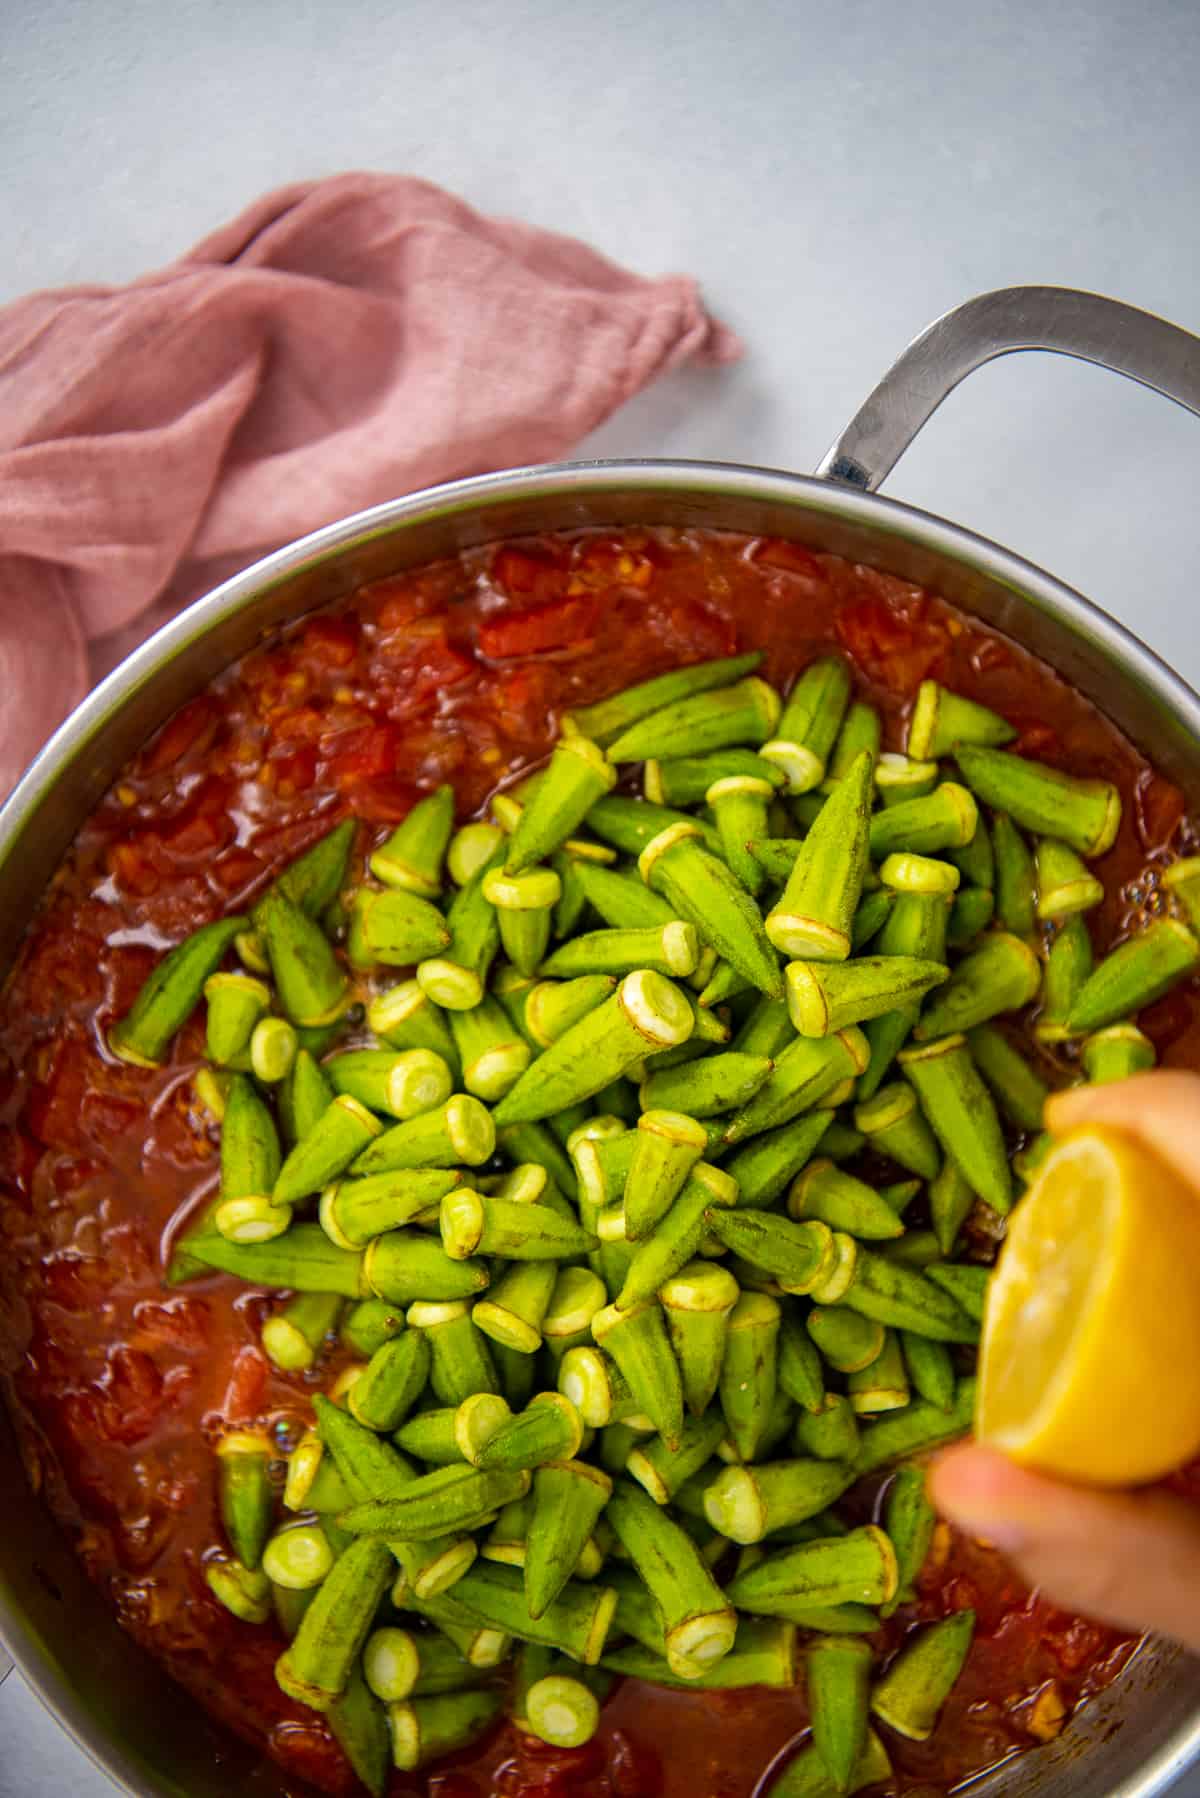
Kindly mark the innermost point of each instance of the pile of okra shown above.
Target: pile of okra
(625, 1326)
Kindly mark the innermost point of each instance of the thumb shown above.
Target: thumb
(1126, 1558)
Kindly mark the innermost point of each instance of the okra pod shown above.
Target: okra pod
(1019, 1091)
(814, 917)
(740, 803)
(916, 1685)
(750, 1370)
(702, 890)
(360, 1727)
(1016, 881)
(637, 1340)
(294, 1337)
(525, 903)
(432, 1436)
(697, 1302)
(944, 819)
(1068, 965)
(1002, 975)
(765, 1166)
(554, 1006)
(847, 1340)
(719, 1083)
(668, 1145)
(698, 1621)
(838, 1678)
(315, 1668)
(244, 1592)
(400, 1083)
(959, 1108)
(966, 1283)
(304, 1260)
(391, 1663)
(308, 978)
(893, 1126)
(405, 1017)
(549, 1429)
(577, 1622)
(572, 901)
(862, 729)
(745, 712)
(807, 1777)
(763, 1654)
(606, 719)
(1084, 813)
(461, 1362)
(826, 1192)
(577, 1297)
(595, 1386)
(250, 1164)
(672, 948)
(298, 1558)
(578, 774)
(556, 1707)
(413, 855)
(476, 1223)
(859, 1568)
(391, 1383)
(393, 928)
(424, 1729)
(481, 1646)
(403, 1265)
(338, 1139)
(830, 1433)
(471, 848)
(1064, 885)
(1113, 1054)
(455, 979)
(930, 1368)
(1138, 972)
(353, 1212)
(909, 1519)
(460, 1131)
(942, 720)
(171, 994)
(903, 1298)
(455, 1498)
(883, 1385)
(1182, 883)
(244, 1493)
(898, 778)
(745, 1504)
(661, 1470)
(811, 720)
(972, 911)
(623, 901)
(442, 1667)
(646, 1012)
(568, 1500)
(798, 1255)
(826, 997)
(512, 1313)
(805, 1073)
(630, 824)
(274, 1045)
(684, 780)
(677, 1237)
(535, 1144)
(920, 1427)
(916, 926)
(235, 1003)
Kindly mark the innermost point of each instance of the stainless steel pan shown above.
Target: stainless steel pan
(111, 1698)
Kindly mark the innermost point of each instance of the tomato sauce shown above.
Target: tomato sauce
(457, 672)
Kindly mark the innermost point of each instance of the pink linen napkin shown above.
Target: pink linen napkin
(340, 342)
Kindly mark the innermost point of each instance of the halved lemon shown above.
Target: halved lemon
(1090, 1363)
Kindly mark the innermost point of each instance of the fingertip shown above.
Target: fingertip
(971, 1479)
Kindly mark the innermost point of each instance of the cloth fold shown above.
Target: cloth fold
(338, 343)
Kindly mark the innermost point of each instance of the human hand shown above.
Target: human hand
(1127, 1558)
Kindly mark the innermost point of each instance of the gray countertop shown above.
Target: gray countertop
(836, 177)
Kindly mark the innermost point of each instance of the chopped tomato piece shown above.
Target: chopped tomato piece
(776, 552)
(567, 624)
(192, 728)
(383, 799)
(896, 651)
(1159, 805)
(332, 639)
(528, 573)
(247, 1386)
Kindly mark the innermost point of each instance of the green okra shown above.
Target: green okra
(244, 1592)
(171, 994)
(568, 1500)
(424, 1729)
(960, 1111)
(1083, 813)
(244, 1493)
(916, 1248)
(481, 1646)
(353, 1212)
(572, 903)
(393, 928)
(456, 978)
(798, 1369)
(636, 1338)
(309, 980)
(315, 879)
(491, 1052)
(942, 720)
(432, 1437)
(1017, 1088)
(391, 1663)
(930, 1368)
(814, 917)
(646, 1012)
(745, 1504)
(404, 1266)
(720, 1083)
(804, 1074)
(661, 1470)
(534, 1143)
(830, 1433)
(405, 1017)
(847, 1340)
(750, 1370)
(235, 1003)
(316, 1666)
(898, 778)
(894, 1126)
(919, 1680)
(702, 890)
(630, 824)
(607, 718)
(274, 1045)
(303, 1097)
(763, 1654)
(336, 1141)
(413, 855)
(477, 1223)
(942, 820)
(1113, 1054)
(460, 1131)
(595, 1386)
(579, 1294)
(669, 1144)
(909, 1519)
(798, 1255)
(1068, 966)
(471, 848)
(966, 1283)
(579, 773)
(303, 1260)
(623, 901)
(862, 730)
(767, 1029)
(916, 926)
(525, 903)
(442, 1667)
(1182, 884)
(358, 1722)
(776, 856)
(677, 1237)
(699, 1623)
(827, 1193)
(557, 1708)
(685, 780)
(698, 1302)
(452, 1498)
(740, 804)
(549, 1429)
(807, 1776)
(511, 1315)
(391, 1383)
(1002, 975)
(976, 859)
(401, 1083)
(809, 725)
(250, 1162)
(915, 1430)
(1064, 885)
(298, 1558)
(576, 1622)
(972, 911)
(858, 1568)
(838, 1680)
(745, 712)
(904, 1299)
(883, 1385)
(1016, 881)
(461, 1363)
(672, 948)
(294, 1337)
(826, 997)
(871, 914)
(766, 1165)
(1136, 973)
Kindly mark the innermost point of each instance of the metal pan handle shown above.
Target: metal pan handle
(1085, 325)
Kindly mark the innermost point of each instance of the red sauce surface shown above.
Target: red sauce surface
(457, 672)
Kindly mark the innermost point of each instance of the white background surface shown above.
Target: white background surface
(835, 175)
